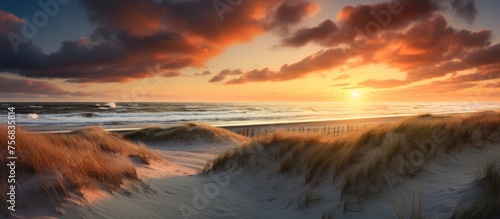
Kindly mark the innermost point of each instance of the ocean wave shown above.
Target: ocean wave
(32, 116)
(87, 115)
(110, 105)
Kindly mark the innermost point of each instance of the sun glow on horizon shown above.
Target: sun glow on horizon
(355, 94)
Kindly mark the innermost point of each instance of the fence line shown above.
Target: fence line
(329, 130)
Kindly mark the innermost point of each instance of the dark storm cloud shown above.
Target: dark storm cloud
(132, 35)
(466, 9)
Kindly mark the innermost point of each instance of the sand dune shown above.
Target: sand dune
(51, 167)
(426, 165)
(190, 132)
(422, 167)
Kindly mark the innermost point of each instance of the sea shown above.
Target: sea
(59, 116)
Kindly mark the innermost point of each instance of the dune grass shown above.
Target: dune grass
(90, 158)
(189, 132)
(415, 208)
(359, 162)
(487, 205)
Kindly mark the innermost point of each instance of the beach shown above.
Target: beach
(201, 171)
(259, 109)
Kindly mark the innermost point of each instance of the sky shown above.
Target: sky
(249, 50)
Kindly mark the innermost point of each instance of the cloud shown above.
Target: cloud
(223, 74)
(316, 34)
(131, 35)
(322, 60)
(382, 83)
(340, 85)
(473, 77)
(465, 9)
(492, 85)
(291, 12)
(204, 73)
(427, 49)
(431, 49)
(33, 87)
(342, 77)
(410, 36)
(485, 56)
(171, 74)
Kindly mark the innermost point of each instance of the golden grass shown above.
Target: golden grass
(86, 158)
(360, 161)
(414, 207)
(187, 132)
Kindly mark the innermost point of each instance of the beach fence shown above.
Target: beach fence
(328, 130)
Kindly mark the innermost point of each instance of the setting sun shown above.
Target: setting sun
(355, 94)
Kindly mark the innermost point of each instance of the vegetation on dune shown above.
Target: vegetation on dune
(486, 204)
(86, 158)
(365, 163)
(187, 132)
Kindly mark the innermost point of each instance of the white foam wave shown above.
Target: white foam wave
(110, 104)
(32, 116)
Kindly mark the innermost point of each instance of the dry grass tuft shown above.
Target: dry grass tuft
(86, 158)
(187, 132)
(360, 161)
(414, 207)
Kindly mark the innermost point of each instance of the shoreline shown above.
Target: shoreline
(280, 124)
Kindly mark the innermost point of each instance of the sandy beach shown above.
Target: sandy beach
(435, 166)
(250, 109)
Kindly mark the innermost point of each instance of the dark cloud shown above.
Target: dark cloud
(32, 87)
(485, 56)
(390, 14)
(465, 9)
(364, 19)
(131, 35)
(223, 74)
(315, 34)
(291, 13)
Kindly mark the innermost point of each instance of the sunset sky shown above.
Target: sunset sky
(249, 50)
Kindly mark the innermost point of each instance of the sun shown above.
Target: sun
(355, 94)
